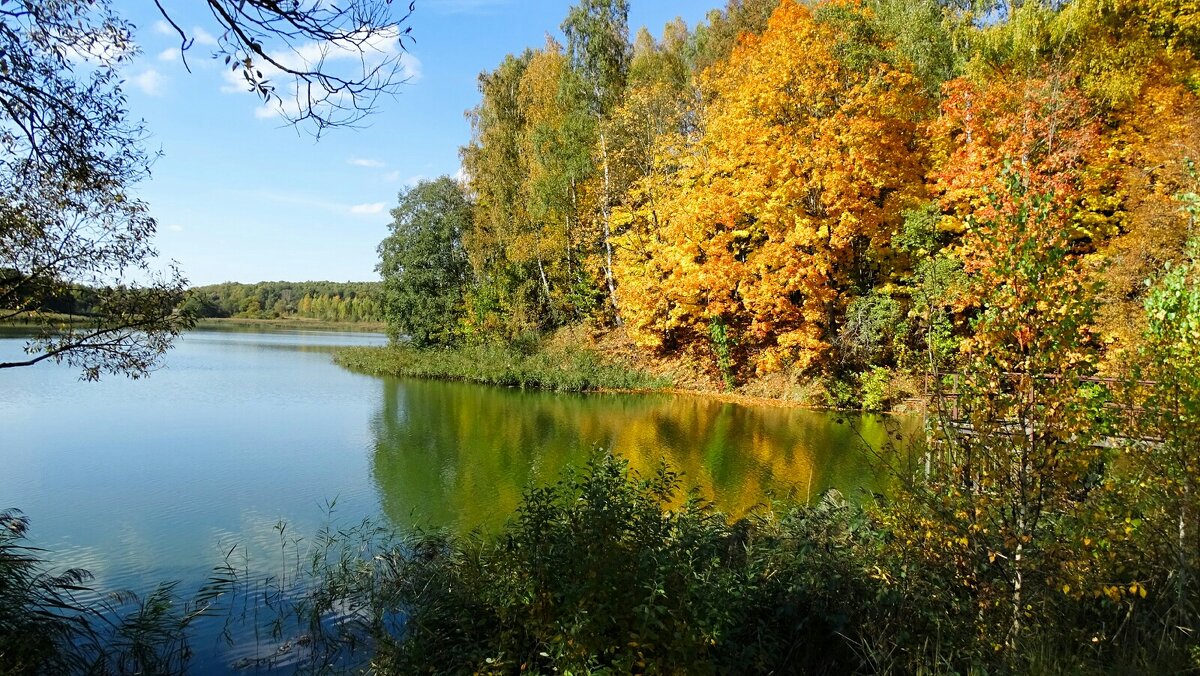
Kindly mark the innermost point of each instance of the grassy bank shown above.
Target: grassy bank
(294, 323)
(556, 368)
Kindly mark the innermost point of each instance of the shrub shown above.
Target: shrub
(875, 389)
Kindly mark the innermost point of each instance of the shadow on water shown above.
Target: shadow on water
(458, 455)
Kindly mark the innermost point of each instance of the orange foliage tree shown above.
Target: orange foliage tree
(802, 170)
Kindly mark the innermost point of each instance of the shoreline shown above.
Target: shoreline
(528, 372)
(294, 323)
(40, 319)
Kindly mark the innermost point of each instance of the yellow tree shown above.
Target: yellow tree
(507, 298)
(647, 129)
(1152, 146)
(555, 144)
(803, 168)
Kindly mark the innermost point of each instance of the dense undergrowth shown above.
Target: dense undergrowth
(594, 574)
(556, 368)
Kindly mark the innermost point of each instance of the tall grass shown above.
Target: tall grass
(54, 622)
(559, 369)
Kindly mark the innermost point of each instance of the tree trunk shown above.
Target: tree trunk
(605, 212)
(1015, 630)
(1181, 580)
(545, 285)
(567, 232)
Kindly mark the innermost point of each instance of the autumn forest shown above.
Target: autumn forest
(827, 189)
(964, 231)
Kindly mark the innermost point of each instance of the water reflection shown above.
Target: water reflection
(458, 455)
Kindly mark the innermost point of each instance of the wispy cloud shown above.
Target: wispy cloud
(392, 176)
(203, 37)
(369, 209)
(175, 227)
(368, 163)
(310, 202)
(171, 54)
(163, 28)
(327, 57)
(150, 81)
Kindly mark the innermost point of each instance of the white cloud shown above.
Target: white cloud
(392, 176)
(99, 48)
(411, 67)
(169, 54)
(368, 163)
(175, 227)
(370, 209)
(203, 37)
(151, 82)
(310, 202)
(163, 28)
(338, 60)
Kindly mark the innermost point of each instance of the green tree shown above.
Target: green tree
(1169, 369)
(424, 267)
(714, 41)
(67, 157)
(508, 298)
(556, 142)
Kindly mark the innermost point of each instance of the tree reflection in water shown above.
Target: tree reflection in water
(459, 455)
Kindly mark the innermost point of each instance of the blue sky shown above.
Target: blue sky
(239, 197)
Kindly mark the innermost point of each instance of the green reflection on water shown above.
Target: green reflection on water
(460, 455)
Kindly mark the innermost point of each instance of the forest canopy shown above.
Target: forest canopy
(327, 301)
(826, 189)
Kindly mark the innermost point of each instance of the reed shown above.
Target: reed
(555, 368)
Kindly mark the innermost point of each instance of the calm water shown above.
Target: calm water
(141, 481)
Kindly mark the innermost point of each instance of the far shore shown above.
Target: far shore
(283, 322)
(294, 323)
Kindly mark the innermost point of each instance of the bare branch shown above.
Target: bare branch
(306, 41)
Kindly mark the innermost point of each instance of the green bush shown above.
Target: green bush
(722, 344)
(595, 575)
(875, 389)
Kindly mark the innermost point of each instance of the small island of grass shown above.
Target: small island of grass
(560, 368)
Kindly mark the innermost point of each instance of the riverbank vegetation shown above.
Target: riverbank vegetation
(559, 368)
(605, 570)
(793, 196)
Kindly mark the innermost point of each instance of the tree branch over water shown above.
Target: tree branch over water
(71, 235)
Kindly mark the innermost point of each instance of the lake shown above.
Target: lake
(155, 479)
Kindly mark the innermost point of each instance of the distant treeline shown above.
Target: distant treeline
(327, 301)
(24, 295)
